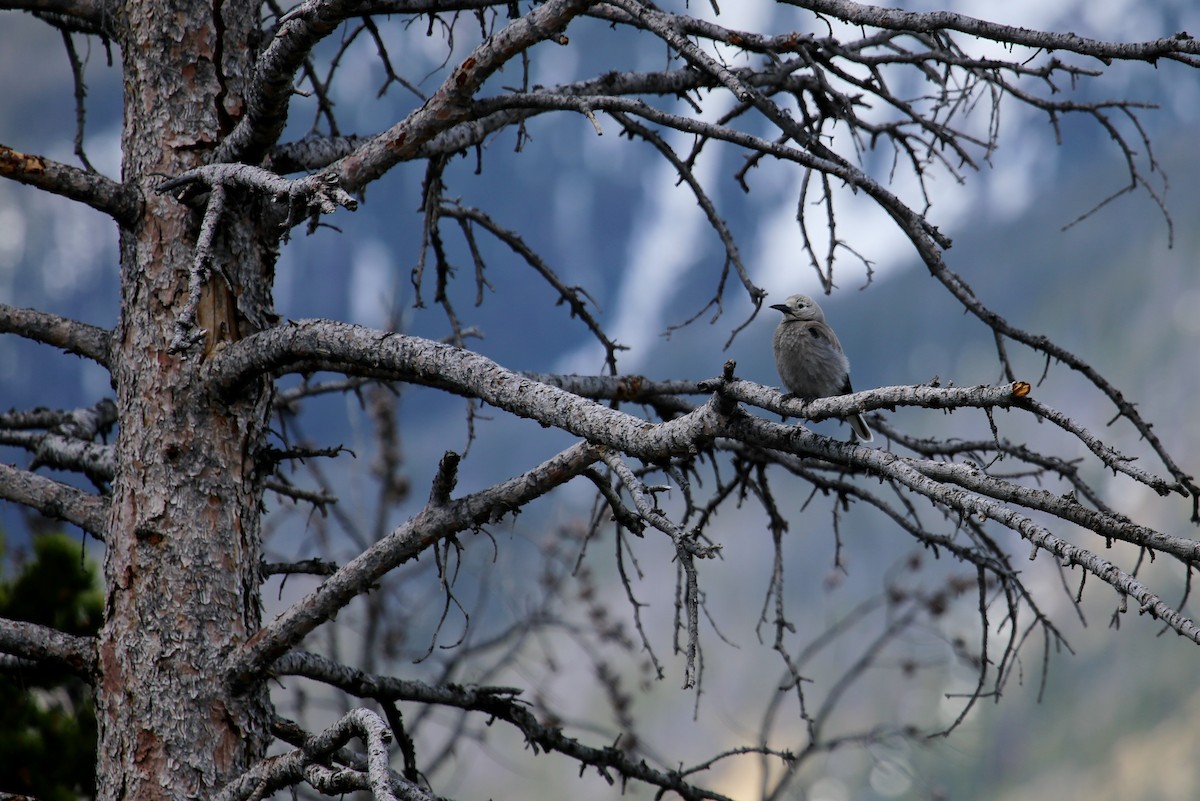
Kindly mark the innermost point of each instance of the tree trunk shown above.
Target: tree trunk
(184, 541)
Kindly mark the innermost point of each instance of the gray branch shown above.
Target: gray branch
(118, 201)
(1178, 47)
(452, 103)
(44, 645)
(311, 345)
(434, 523)
(313, 763)
(497, 702)
(54, 499)
(272, 87)
(61, 332)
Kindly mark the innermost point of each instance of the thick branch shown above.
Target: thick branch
(334, 346)
(311, 345)
(118, 201)
(64, 453)
(312, 195)
(98, 14)
(70, 335)
(272, 87)
(45, 645)
(53, 499)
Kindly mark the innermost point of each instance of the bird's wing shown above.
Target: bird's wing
(820, 330)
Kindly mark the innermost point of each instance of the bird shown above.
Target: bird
(810, 359)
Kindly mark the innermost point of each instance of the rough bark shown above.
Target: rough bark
(184, 520)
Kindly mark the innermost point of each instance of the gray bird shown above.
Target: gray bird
(810, 358)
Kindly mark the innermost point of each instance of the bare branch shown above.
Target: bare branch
(313, 763)
(64, 453)
(271, 90)
(118, 201)
(187, 333)
(97, 14)
(687, 550)
(86, 424)
(453, 102)
(913, 476)
(56, 500)
(70, 335)
(431, 525)
(310, 196)
(313, 567)
(49, 646)
(574, 297)
(80, 95)
(1178, 47)
(497, 702)
(930, 253)
(324, 345)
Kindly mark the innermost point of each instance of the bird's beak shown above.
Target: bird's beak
(780, 307)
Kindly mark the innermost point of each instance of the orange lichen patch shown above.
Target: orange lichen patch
(13, 162)
(397, 142)
(630, 387)
(1021, 388)
(462, 74)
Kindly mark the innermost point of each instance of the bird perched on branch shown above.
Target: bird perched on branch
(810, 359)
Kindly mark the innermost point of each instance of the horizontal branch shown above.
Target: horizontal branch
(98, 14)
(311, 345)
(86, 423)
(1176, 47)
(429, 6)
(54, 499)
(118, 201)
(72, 336)
(1064, 507)
(982, 396)
(929, 249)
(495, 702)
(47, 646)
(313, 194)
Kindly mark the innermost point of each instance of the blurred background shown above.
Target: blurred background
(1110, 719)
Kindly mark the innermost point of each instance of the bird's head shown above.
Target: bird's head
(800, 308)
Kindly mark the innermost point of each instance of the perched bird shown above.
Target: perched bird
(810, 358)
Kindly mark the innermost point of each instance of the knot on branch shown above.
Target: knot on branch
(445, 480)
(311, 196)
(725, 402)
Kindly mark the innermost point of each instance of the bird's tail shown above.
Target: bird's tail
(861, 432)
